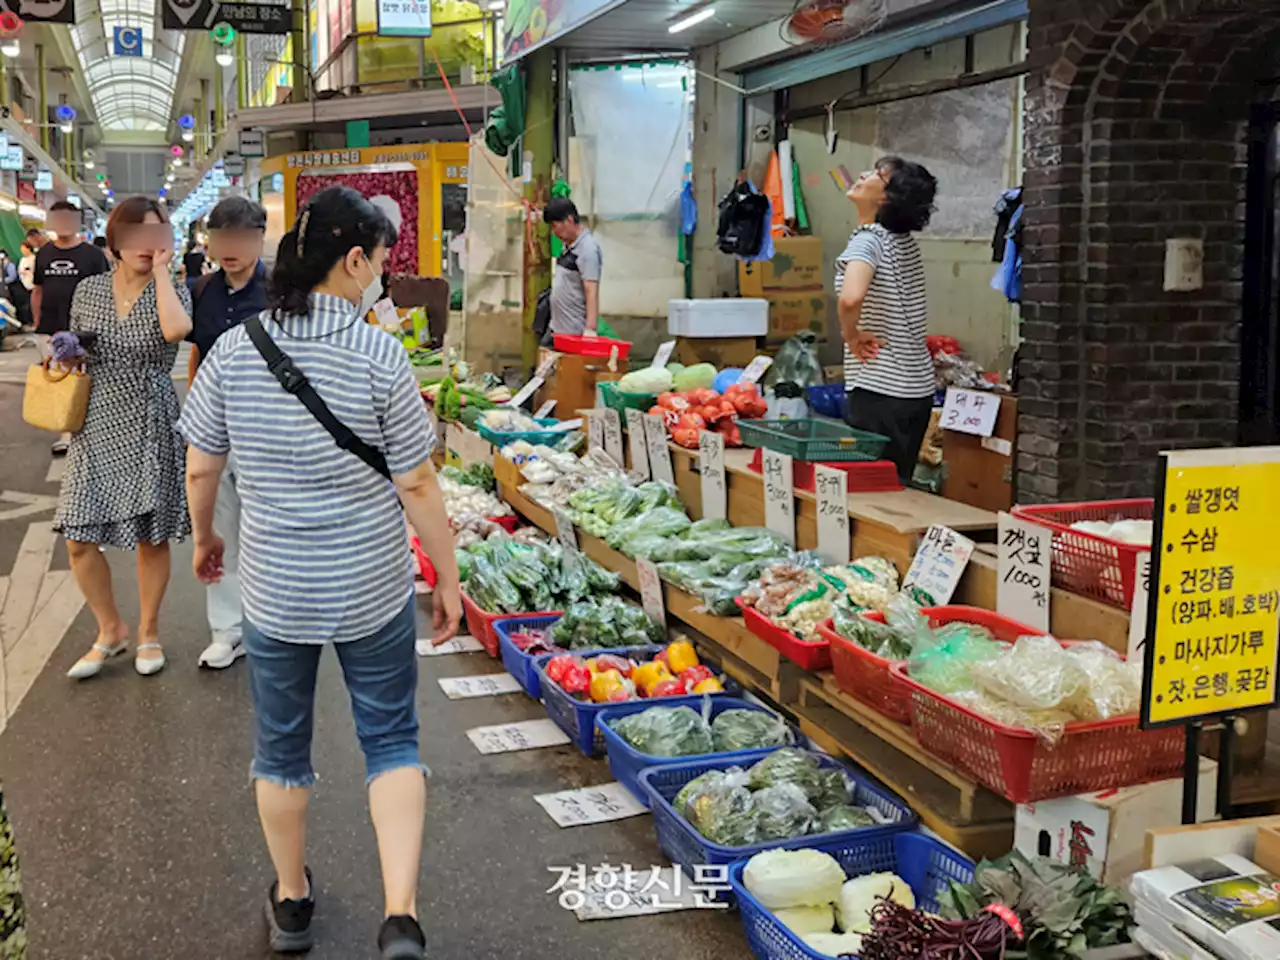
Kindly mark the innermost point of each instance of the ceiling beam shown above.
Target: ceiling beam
(18, 135)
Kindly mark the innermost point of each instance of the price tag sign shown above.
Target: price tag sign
(1138, 609)
(636, 441)
(527, 391)
(595, 430)
(715, 486)
(490, 685)
(564, 426)
(469, 447)
(510, 737)
(575, 808)
(832, 489)
(613, 436)
(1022, 572)
(565, 531)
(545, 410)
(755, 369)
(655, 434)
(939, 564)
(453, 645)
(549, 361)
(779, 495)
(970, 411)
(384, 311)
(663, 356)
(651, 590)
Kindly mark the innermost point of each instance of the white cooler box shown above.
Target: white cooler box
(726, 317)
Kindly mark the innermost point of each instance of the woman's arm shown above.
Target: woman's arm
(175, 319)
(424, 508)
(857, 281)
(203, 472)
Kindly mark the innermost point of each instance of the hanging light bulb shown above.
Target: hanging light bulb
(224, 57)
(177, 161)
(10, 47)
(188, 135)
(89, 164)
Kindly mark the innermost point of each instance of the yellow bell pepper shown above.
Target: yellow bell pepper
(709, 685)
(603, 684)
(647, 674)
(681, 656)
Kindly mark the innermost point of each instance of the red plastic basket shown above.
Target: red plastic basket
(1085, 563)
(1017, 765)
(865, 476)
(867, 677)
(427, 569)
(808, 654)
(591, 346)
(480, 624)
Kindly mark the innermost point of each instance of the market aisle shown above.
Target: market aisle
(136, 829)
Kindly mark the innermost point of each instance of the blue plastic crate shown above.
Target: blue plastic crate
(626, 762)
(578, 719)
(927, 865)
(518, 663)
(687, 847)
(547, 435)
(827, 400)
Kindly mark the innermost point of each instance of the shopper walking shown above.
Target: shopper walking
(220, 301)
(575, 285)
(123, 485)
(884, 313)
(323, 541)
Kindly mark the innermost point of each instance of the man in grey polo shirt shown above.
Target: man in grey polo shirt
(575, 285)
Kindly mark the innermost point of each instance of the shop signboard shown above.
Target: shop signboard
(12, 159)
(41, 11)
(233, 166)
(44, 179)
(202, 15)
(252, 143)
(1213, 612)
(29, 170)
(404, 18)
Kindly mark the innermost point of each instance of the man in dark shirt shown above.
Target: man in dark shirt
(220, 301)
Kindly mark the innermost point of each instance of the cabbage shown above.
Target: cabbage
(652, 380)
(859, 896)
(698, 377)
(834, 944)
(805, 920)
(793, 878)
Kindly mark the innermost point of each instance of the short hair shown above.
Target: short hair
(559, 210)
(100, 242)
(908, 195)
(130, 213)
(35, 232)
(238, 213)
(64, 205)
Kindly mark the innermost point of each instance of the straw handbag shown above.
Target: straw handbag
(56, 399)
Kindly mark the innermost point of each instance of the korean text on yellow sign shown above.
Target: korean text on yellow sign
(1217, 596)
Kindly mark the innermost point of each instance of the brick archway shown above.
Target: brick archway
(1135, 133)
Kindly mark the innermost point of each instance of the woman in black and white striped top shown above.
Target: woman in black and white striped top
(883, 310)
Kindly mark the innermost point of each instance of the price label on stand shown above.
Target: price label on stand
(565, 532)
(663, 356)
(831, 488)
(755, 369)
(655, 434)
(970, 411)
(1022, 572)
(545, 410)
(595, 430)
(575, 808)
(635, 439)
(715, 487)
(613, 436)
(1138, 609)
(779, 495)
(509, 737)
(651, 590)
(489, 685)
(938, 564)
(525, 392)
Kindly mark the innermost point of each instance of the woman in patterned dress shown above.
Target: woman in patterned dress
(13, 938)
(124, 483)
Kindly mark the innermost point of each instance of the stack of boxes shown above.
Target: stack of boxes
(795, 284)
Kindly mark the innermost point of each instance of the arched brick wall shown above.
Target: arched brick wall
(1135, 133)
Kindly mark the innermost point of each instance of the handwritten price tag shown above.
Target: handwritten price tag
(715, 489)
(510, 737)
(1138, 610)
(655, 435)
(490, 685)
(545, 409)
(832, 490)
(635, 439)
(613, 436)
(755, 369)
(575, 808)
(970, 411)
(565, 531)
(384, 311)
(595, 430)
(661, 358)
(1022, 572)
(939, 564)
(779, 495)
(651, 590)
(454, 645)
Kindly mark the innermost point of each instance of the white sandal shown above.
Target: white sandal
(151, 666)
(84, 668)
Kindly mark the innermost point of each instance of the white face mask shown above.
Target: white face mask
(371, 293)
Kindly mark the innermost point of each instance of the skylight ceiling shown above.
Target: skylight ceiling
(129, 93)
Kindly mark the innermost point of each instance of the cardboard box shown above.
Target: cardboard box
(1266, 853)
(1105, 832)
(791, 311)
(797, 263)
(720, 351)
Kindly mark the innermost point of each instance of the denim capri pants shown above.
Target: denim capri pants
(381, 674)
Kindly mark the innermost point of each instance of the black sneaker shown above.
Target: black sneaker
(289, 921)
(401, 939)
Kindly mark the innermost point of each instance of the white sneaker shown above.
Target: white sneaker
(220, 654)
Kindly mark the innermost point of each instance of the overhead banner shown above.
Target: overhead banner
(204, 14)
(404, 18)
(530, 24)
(41, 11)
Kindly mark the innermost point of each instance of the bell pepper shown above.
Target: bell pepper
(692, 676)
(670, 687)
(609, 661)
(604, 684)
(709, 685)
(681, 656)
(557, 666)
(576, 681)
(648, 674)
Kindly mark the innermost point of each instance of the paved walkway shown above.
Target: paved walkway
(134, 817)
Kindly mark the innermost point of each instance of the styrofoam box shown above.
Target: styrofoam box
(727, 317)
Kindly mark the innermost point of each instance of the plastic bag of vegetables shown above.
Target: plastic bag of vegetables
(748, 730)
(788, 765)
(666, 732)
(490, 589)
(783, 812)
(796, 363)
(725, 812)
(663, 521)
(843, 816)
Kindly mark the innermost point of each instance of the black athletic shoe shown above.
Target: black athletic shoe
(401, 939)
(289, 921)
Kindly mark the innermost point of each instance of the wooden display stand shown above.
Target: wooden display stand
(572, 384)
(980, 469)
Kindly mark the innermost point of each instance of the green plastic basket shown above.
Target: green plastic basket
(500, 439)
(818, 441)
(615, 399)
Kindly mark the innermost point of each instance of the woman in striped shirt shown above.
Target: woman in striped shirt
(884, 315)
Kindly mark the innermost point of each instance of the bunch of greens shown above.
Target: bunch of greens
(478, 474)
(1063, 910)
(507, 576)
(683, 732)
(604, 623)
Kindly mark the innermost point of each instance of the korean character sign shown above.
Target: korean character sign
(938, 565)
(1213, 612)
(620, 890)
(1022, 572)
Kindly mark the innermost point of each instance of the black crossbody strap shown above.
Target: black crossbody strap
(295, 382)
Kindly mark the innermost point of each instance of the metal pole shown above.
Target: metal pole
(242, 73)
(1190, 773)
(537, 144)
(201, 120)
(204, 119)
(219, 103)
(562, 111)
(1226, 746)
(300, 52)
(42, 101)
